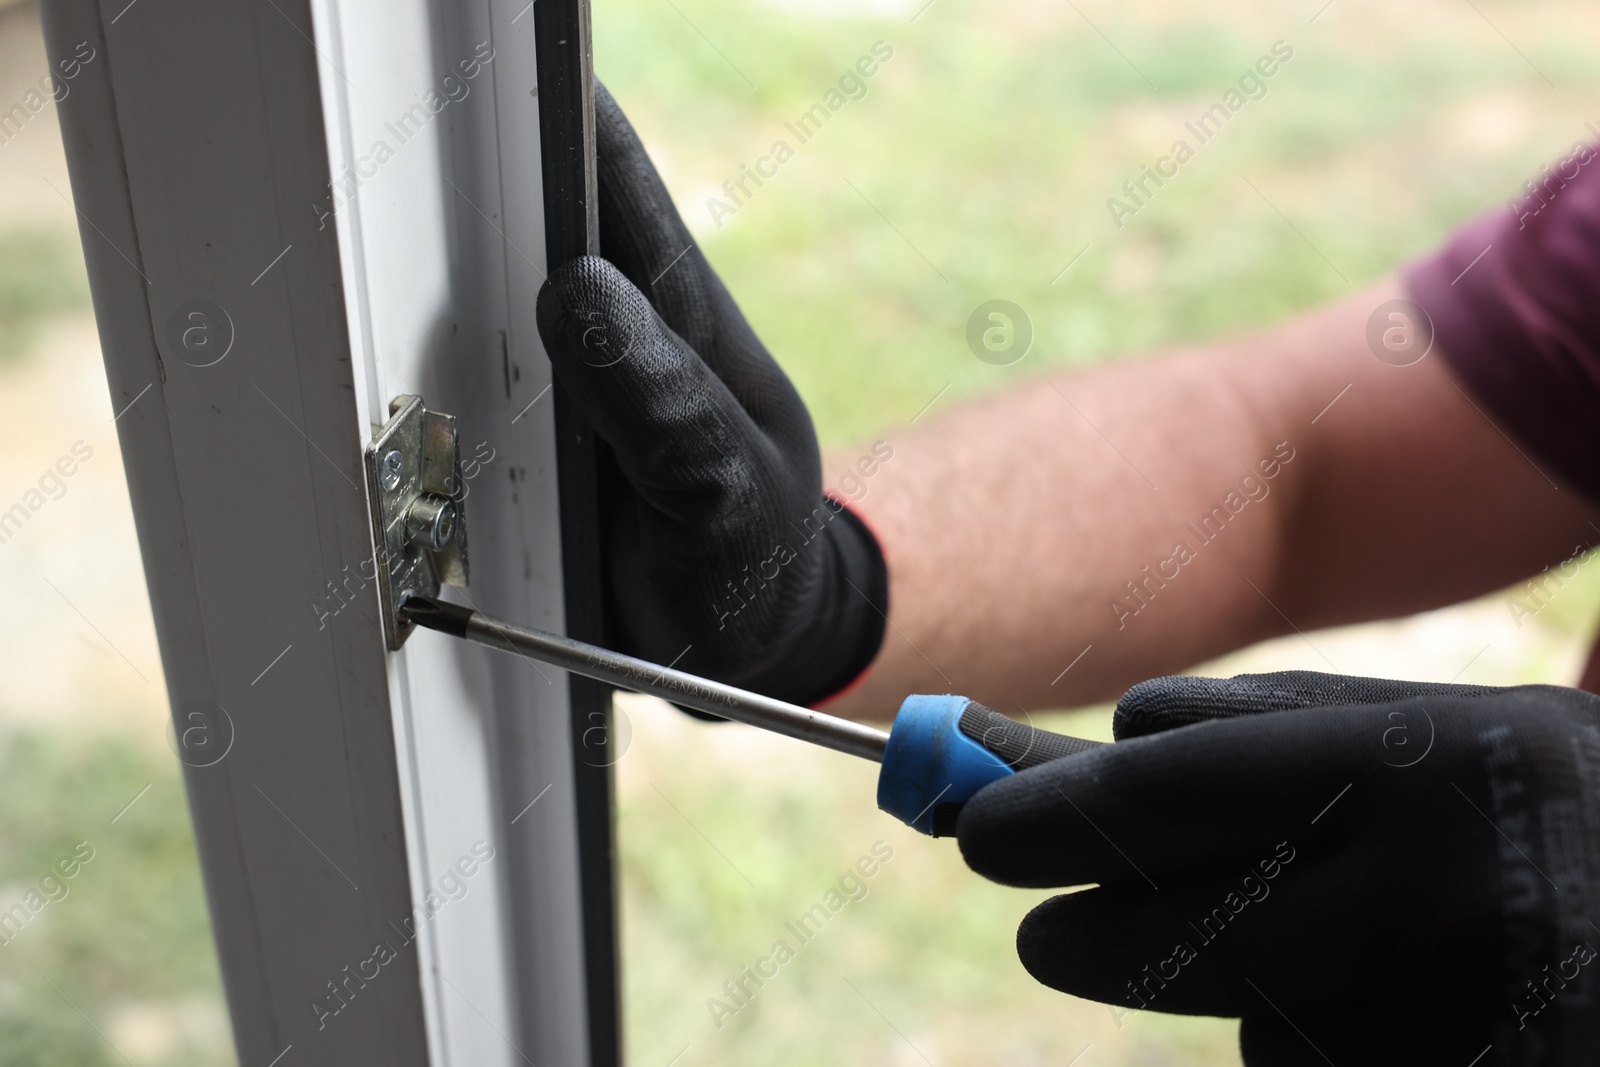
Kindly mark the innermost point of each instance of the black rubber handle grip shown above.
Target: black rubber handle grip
(1018, 745)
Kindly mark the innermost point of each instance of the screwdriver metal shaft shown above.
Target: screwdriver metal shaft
(642, 676)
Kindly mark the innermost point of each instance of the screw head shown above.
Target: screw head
(431, 521)
(390, 468)
(444, 528)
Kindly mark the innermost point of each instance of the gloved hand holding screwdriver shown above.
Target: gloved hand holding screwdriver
(1362, 870)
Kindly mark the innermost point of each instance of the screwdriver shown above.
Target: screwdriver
(939, 752)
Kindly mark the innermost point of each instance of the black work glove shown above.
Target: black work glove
(1363, 871)
(723, 550)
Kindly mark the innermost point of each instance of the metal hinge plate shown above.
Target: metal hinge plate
(419, 527)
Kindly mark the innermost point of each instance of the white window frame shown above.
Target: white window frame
(201, 147)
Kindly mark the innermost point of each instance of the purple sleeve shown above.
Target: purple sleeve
(1515, 303)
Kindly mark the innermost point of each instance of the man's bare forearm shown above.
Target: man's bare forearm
(1055, 543)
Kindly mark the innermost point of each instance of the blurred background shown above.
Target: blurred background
(976, 165)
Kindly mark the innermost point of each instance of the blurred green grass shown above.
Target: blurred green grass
(992, 139)
(41, 274)
(129, 945)
(989, 144)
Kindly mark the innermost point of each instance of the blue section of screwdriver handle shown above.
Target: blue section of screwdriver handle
(930, 762)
